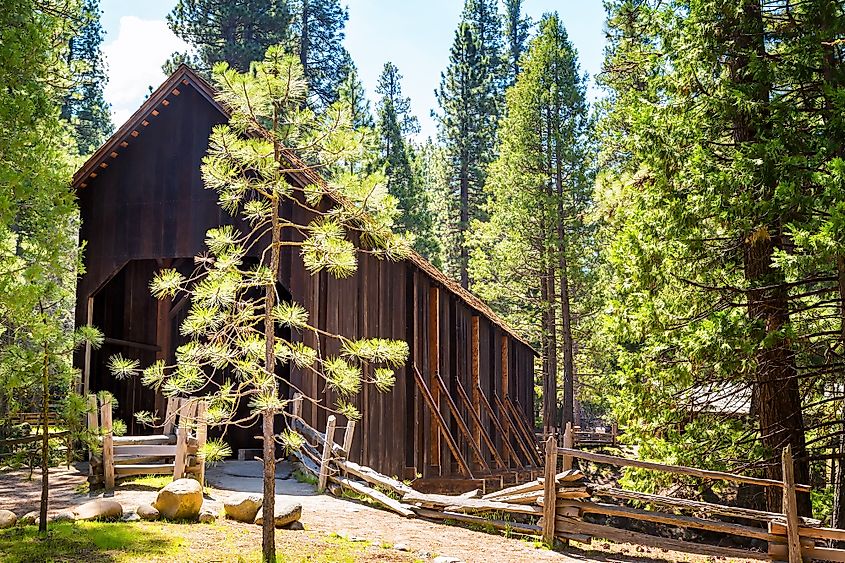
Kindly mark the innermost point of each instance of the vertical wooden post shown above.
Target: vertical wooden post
(476, 376)
(434, 367)
(505, 390)
(568, 442)
(296, 408)
(327, 453)
(550, 492)
(790, 506)
(108, 445)
(86, 368)
(347, 437)
(181, 458)
(614, 433)
(202, 436)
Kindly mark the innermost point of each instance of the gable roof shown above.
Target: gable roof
(158, 102)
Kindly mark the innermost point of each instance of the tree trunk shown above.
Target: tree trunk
(45, 440)
(838, 473)
(776, 378)
(464, 221)
(304, 40)
(268, 507)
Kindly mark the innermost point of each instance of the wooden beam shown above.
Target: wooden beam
(108, 447)
(550, 492)
(694, 472)
(529, 450)
(462, 427)
(86, 369)
(434, 365)
(486, 404)
(475, 371)
(444, 429)
(790, 506)
(131, 344)
(477, 420)
(327, 453)
(505, 390)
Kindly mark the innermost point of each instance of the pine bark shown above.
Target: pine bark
(45, 440)
(778, 396)
(838, 473)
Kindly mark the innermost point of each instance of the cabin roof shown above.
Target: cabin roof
(158, 102)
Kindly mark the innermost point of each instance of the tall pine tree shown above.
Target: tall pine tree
(529, 259)
(84, 105)
(317, 37)
(237, 32)
(395, 124)
(516, 30)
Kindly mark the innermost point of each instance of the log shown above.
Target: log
(518, 527)
(562, 477)
(819, 533)
(309, 433)
(570, 525)
(673, 520)
(780, 552)
(678, 469)
(695, 505)
(372, 476)
(377, 496)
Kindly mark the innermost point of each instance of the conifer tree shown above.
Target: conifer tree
(39, 257)
(516, 32)
(237, 32)
(528, 258)
(465, 133)
(395, 124)
(232, 330)
(317, 36)
(351, 92)
(84, 106)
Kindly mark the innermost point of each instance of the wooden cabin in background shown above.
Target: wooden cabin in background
(143, 207)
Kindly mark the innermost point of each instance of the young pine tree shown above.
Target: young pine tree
(234, 350)
(516, 31)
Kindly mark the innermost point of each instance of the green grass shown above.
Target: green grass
(303, 477)
(149, 481)
(90, 542)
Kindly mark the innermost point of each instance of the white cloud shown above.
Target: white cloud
(134, 62)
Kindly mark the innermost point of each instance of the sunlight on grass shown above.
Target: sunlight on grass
(87, 541)
(151, 481)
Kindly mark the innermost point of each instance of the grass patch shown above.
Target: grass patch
(303, 477)
(86, 541)
(149, 481)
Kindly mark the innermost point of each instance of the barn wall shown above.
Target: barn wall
(149, 209)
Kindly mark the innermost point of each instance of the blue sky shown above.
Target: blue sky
(415, 35)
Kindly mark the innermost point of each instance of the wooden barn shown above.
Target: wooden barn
(470, 412)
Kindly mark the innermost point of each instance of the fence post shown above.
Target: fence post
(108, 447)
(790, 506)
(327, 453)
(550, 492)
(296, 409)
(347, 437)
(568, 442)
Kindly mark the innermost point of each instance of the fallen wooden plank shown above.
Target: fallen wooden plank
(678, 469)
(310, 433)
(780, 552)
(819, 533)
(570, 525)
(372, 476)
(673, 520)
(695, 505)
(537, 485)
(518, 527)
(144, 469)
(377, 496)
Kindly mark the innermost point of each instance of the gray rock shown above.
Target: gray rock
(99, 509)
(243, 508)
(28, 518)
(207, 516)
(297, 525)
(400, 547)
(284, 514)
(445, 559)
(180, 500)
(147, 512)
(63, 516)
(131, 517)
(7, 519)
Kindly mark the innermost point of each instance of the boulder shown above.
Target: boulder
(63, 516)
(99, 509)
(131, 517)
(296, 525)
(7, 519)
(29, 518)
(147, 512)
(207, 516)
(180, 500)
(284, 514)
(243, 508)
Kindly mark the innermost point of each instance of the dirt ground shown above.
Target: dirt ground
(326, 516)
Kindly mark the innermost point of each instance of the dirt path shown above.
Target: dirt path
(326, 514)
